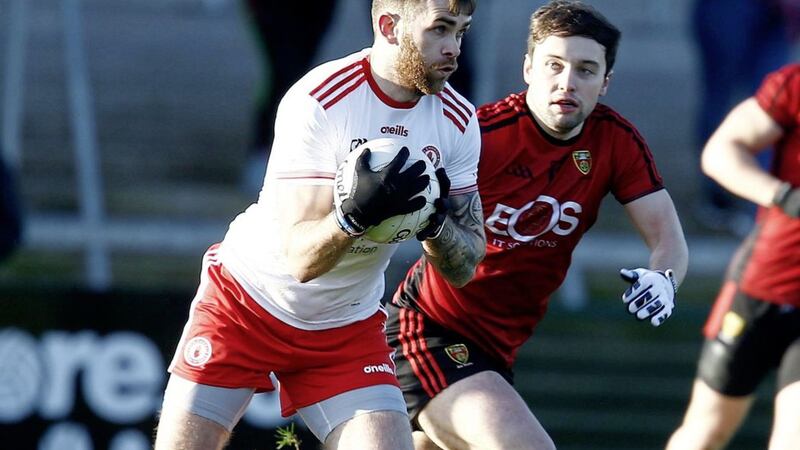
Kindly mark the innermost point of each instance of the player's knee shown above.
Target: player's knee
(699, 436)
(423, 442)
(377, 429)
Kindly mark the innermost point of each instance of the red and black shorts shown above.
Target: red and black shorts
(430, 357)
(745, 339)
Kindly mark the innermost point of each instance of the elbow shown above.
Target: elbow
(461, 281)
(704, 164)
(707, 163)
(303, 277)
(464, 276)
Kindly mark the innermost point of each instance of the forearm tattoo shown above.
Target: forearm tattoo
(462, 243)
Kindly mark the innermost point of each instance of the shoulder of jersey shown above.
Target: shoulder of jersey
(790, 69)
(456, 107)
(783, 80)
(332, 81)
(501, 113)
(604, 115)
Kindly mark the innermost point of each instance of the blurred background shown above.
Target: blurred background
(128, 131)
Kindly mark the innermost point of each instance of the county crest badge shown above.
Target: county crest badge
(732, 326)
(583, 160)
(458, 353)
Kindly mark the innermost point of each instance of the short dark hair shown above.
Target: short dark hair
(455, 6)
(573, 18)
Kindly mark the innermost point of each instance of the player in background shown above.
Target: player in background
(754, 326)
(549, 155)
(293, 288)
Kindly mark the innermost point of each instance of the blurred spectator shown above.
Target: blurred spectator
(739, 42)
(10, 217)
(288, 35)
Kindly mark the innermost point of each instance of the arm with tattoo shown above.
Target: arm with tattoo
(461, 245)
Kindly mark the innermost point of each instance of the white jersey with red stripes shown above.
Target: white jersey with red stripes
(324, 116)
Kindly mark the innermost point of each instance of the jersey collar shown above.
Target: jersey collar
(388, 101)
(548, 137)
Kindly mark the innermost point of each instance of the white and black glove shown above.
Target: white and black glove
(651, 294)
(442, 204)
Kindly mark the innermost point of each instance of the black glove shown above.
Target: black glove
(788, 199)
(442, 204)
(376, 196)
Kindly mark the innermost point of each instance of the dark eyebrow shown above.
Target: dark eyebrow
(584, 61)
(452, 22)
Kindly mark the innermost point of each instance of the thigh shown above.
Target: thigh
(482, 411)
(182, 429)
(742, 347)
(224, 406)
(329, 418)
(786, 429)
(198, 416)
(710, 420)
(379, 430)
(789, 369)
(430, 358)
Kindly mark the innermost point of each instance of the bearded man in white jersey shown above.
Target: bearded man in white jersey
(294, 289)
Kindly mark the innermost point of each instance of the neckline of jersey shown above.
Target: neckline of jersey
(553, 140)
(382, 96)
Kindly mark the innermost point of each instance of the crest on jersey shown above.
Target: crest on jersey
(458, 353)
(732, 326)
(583, 160)
(433, 154)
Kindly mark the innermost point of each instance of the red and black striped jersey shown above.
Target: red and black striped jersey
(539, 195)
(769, 262)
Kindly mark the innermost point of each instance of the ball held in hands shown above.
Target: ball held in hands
(385, 191)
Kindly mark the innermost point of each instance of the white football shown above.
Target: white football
(398, 228)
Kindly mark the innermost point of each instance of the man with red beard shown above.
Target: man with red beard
(294, 289)
(549, 155)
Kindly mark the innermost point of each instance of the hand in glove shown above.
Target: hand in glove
(651, 294)
(378, 195)
(442, 204)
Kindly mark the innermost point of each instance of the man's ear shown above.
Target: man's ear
(388, 27)
(526, 67)
(606, 80)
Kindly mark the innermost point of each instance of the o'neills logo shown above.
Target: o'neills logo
(458, 353)
(385, 368)
(398, 130)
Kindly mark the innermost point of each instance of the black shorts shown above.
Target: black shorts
(430, 357)
(754, 337)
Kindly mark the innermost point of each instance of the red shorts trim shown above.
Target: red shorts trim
(721, 306)
(231, 341)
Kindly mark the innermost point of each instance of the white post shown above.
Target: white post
(85, 142)
(14, 81)
(573, 293)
